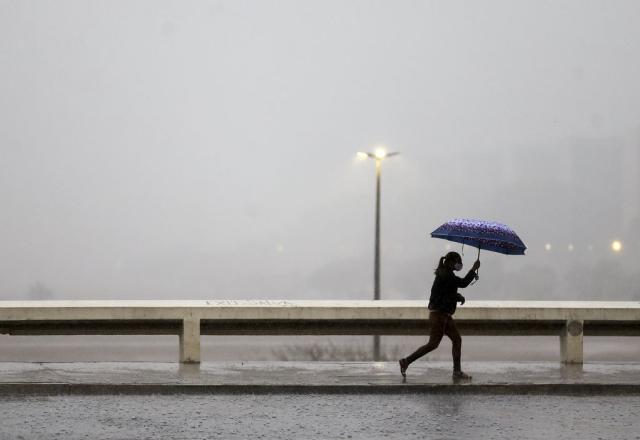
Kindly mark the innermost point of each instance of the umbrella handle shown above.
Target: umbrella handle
(477, 270)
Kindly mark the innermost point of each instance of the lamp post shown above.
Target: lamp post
(378, 155)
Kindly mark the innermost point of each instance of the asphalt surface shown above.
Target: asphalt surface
(365, 416)
(332, 400)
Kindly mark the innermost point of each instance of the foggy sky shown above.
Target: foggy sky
(192, 149)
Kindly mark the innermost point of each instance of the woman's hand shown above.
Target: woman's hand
(476, 265)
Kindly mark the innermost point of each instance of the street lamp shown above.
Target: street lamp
(378, 155)
(616, 245)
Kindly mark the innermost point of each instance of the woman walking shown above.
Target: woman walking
(442, 306)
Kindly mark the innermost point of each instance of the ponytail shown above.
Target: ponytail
(440, 267)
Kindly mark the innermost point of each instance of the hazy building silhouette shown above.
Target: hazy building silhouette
(40, 291)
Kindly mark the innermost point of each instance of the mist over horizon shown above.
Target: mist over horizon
(207, 150)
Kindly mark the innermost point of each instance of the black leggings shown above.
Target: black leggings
(441, 324)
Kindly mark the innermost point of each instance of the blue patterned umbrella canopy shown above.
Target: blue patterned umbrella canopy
(485, 235)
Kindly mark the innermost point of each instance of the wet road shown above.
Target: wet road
(363, 416)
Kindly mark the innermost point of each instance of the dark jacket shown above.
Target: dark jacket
(444, 292)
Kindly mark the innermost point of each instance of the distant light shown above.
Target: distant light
(280, 248)
(590, 247)
(380, 153)
(447, 247)
(616, 246)
(570, 248)
(547, 247)
(362, 156)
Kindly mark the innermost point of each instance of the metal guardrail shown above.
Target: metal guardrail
(570, 320)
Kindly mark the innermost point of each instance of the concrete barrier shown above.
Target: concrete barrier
(570, 320)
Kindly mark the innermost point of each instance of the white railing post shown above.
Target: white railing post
(190, 341)
(571, 342)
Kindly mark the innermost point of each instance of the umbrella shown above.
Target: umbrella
(486, 235)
